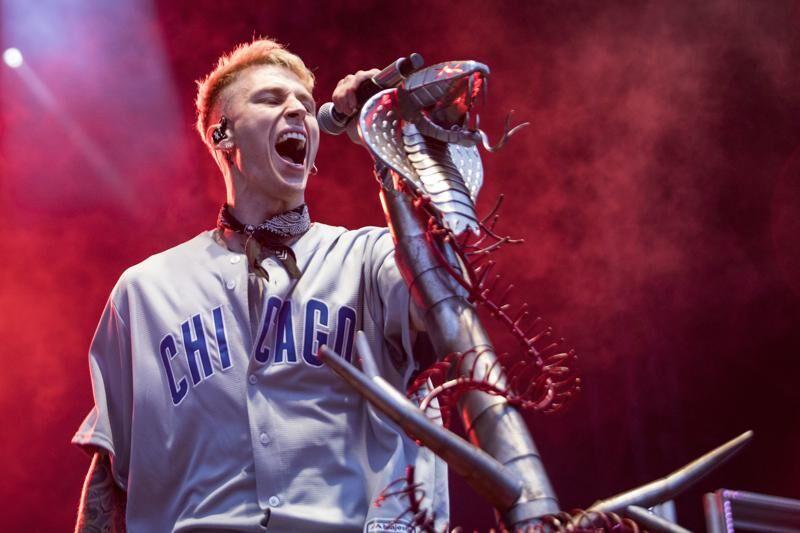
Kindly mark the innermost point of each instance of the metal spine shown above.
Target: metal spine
(453, 326)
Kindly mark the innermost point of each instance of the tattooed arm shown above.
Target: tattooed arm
(102, 507)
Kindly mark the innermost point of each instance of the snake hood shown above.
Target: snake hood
(426, 130)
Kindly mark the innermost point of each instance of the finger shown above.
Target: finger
(338, 103)
(352, 102)
(340, 98)
(354, 81)
(344, 96)
(345, 105)
(363, 75)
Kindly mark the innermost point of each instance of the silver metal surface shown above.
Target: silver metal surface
(365, 357)
(669, 486)
(440, 178)
(379, 126)
(493, 481)
(764, 501)
(730, 510)
(715, 513)
(390, 77)
(436, 79)
(433, 157)
(449, 174)
(665, 510)
(456, 136)
(468, 161)
(653, 522)
(444, 166)
(454, 326)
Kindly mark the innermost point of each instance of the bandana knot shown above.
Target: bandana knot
(269, 236)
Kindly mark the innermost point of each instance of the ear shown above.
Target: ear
(226, 143)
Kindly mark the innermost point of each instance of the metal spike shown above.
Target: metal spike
(536, 321)
(506, 292)
(494, 282)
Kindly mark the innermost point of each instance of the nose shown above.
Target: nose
(295, 109)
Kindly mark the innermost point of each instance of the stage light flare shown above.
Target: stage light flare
(13, 57)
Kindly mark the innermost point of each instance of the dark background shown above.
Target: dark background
(657, 190)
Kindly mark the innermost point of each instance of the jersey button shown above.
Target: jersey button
(252, 379)
(264, 439)
(235, 259)
(230, 284)
(274, 501)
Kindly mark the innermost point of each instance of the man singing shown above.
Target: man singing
(213, 411)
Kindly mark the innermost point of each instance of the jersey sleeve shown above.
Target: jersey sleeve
(389, 302)
(107, 426)
(389, 308)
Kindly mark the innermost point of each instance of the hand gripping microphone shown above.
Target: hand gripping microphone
(333, 123)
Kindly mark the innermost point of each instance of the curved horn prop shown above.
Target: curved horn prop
(481, 471)
(667, 487)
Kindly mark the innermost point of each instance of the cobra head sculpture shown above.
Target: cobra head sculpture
(427, 130)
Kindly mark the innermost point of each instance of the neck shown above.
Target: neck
(255, 209)
(250, 208)
(236, 241)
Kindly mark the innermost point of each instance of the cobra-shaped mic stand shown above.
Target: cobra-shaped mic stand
(423, 136)
(453, 326)
(452, 323)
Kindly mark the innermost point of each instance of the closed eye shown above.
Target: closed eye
(269, 100)
(269, 97)
(278, 97)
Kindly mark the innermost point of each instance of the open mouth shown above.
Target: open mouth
(447, 98)
(458, 109)
(291, 147)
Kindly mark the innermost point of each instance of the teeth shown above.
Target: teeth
(293, 135)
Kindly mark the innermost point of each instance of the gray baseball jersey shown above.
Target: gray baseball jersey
(211, 417)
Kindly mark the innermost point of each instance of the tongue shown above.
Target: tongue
(287, 159)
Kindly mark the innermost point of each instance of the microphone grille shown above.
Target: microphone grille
(328, 123)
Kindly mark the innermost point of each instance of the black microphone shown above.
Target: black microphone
(333, 123)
